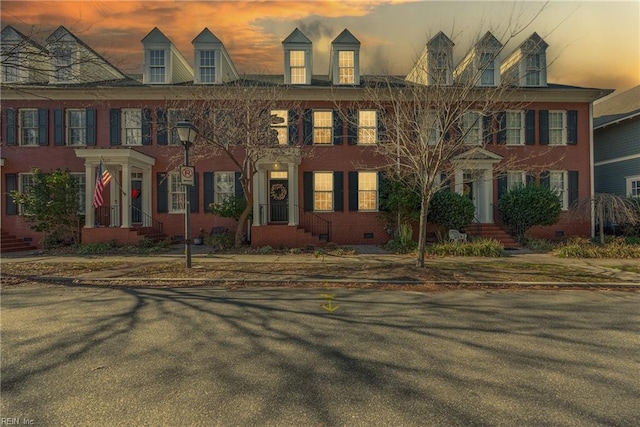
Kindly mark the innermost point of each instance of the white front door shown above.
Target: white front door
(477, 185)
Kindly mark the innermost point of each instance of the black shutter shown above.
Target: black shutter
(487, 129)
(10, 126)
(114, 126)
(43, 126)
(338, 127)
(208, 195)
(91, 126)
(382, 183)
(146, 126)
(338, 192)
(352, 126)
(162, 192)
(572, 127)
(382, 126)
(161, 127)
(10, 184)
(239, 192)
(58, 127)
(293, 127)
(307, 126)
(194, 200)
(573, 187)
(502, 127)
(531, 179)
(502, 185)
(307, 189)
(353, 191)
(545, 179)
(530, 127)
(544, 127)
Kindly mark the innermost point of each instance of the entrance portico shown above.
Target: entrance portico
(474, 178)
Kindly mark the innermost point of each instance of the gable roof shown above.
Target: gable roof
(617, 108)
(8, 31)
(345, 37)
(206, 36)
(440, 40)
(296, 36)
(155, 36)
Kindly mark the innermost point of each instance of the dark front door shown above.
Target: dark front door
(136, 202)
(278, 200)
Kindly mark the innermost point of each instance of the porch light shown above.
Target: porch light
(187, 134)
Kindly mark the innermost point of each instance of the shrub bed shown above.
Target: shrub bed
(585, 248)
(479, 248)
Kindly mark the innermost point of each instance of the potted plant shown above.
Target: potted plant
(198, 240)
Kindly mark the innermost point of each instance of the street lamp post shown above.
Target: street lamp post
(187, 134)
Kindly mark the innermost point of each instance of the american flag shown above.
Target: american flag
(102, 179)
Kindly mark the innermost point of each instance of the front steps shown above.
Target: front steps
(11, 243)
(493, 231)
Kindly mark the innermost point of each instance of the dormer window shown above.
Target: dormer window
(533, 69)
(297, 67)
(10, 73)
(63, 63)
(157, 67)
(207, 66)
(527, 64)
(346, 66)
(441, 69)
(488, 68)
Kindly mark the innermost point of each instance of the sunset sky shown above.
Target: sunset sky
(592, 44)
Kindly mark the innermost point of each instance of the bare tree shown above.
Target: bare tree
(607, 208)
(236, 120)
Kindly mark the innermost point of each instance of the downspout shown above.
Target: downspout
(592, 169)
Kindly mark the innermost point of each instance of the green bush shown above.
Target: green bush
(449, 210)
(403, 243)
(585, 248)
(526, 206)
(479, 248)
(219, 241)
(538, 245)
(266, 250)
(231, 207)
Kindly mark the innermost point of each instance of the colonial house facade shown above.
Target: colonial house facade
(71, 109)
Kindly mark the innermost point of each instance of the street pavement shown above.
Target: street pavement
(82, 355)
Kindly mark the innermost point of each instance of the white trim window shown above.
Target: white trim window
(131, 126)
(472, 127)
(11, 65)
(633, 186)
(207, 66)
(297, 67)
(281, 128)
(431, 128)
(76, 127)
(175, 115)
(441, 68)
(225, 186)
(25, 182)
(515, 127)
(322, 127)
(63, 60)
(323, 191)
(346, 67)
(157, 66)
(533, 69)
(176, 193)
(28, 122)
(367, 127)
(488, 69)
(557, 127)
(559, 182)
(516, 179)
(367, 191)
(81, 182)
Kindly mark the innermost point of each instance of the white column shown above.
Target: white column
(147, 191)
(90, 188)
(256, 197)
(114, 191)
(125, 182)
(291, 183)
(459, 178)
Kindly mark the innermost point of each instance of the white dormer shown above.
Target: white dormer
(435, 65)
(480, 66)
(527, 65)
(344, 68)
(211, 61)
(163, 63)
(23, 60)
(298, 59)
(72, 61)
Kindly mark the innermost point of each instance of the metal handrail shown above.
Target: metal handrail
(317, 225)
(149, 221)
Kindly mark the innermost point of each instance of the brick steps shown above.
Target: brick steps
(11, 243)
(493, 231)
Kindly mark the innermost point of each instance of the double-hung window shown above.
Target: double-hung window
(533, 69)
(176, 193)
(76, 127)
(367, 191)
(633, 186)
(281, 128)
(558, 182)
(297, 67)
(557, 127)
(346, 66)
(322, 127)
(25, 183)
(175, 116)
(224, 186)
(472, 127)
(431, 127)
(515, 179)
(488, 69)
(515, 128)
(156, 66)
(367, 126)
(28, 127)
(10, 66)
(441, 69)
(323, 191)
(81, 182)
(132, 126)
(64, 63)
(207, 66)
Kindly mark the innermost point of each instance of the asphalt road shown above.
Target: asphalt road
(274, 357)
